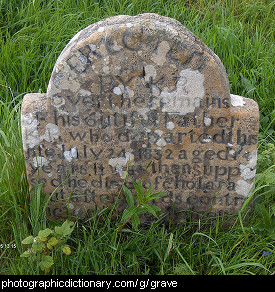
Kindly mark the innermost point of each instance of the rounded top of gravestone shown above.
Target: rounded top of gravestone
(140, 97)
(143, 48)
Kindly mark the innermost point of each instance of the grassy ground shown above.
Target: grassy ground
(32, 35)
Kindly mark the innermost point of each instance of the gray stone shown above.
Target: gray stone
(130, 90)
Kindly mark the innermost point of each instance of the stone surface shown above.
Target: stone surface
(134, 90)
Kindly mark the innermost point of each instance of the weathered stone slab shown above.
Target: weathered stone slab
(137, 90)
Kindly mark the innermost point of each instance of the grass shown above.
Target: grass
(32, 35)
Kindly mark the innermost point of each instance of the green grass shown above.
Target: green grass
(32, 35)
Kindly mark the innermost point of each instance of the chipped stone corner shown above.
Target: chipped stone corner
(238, 101)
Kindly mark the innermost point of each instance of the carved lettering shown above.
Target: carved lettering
(140, 97)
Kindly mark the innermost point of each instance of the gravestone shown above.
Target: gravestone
(134, 91)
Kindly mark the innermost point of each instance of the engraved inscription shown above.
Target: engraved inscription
(140, 97)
